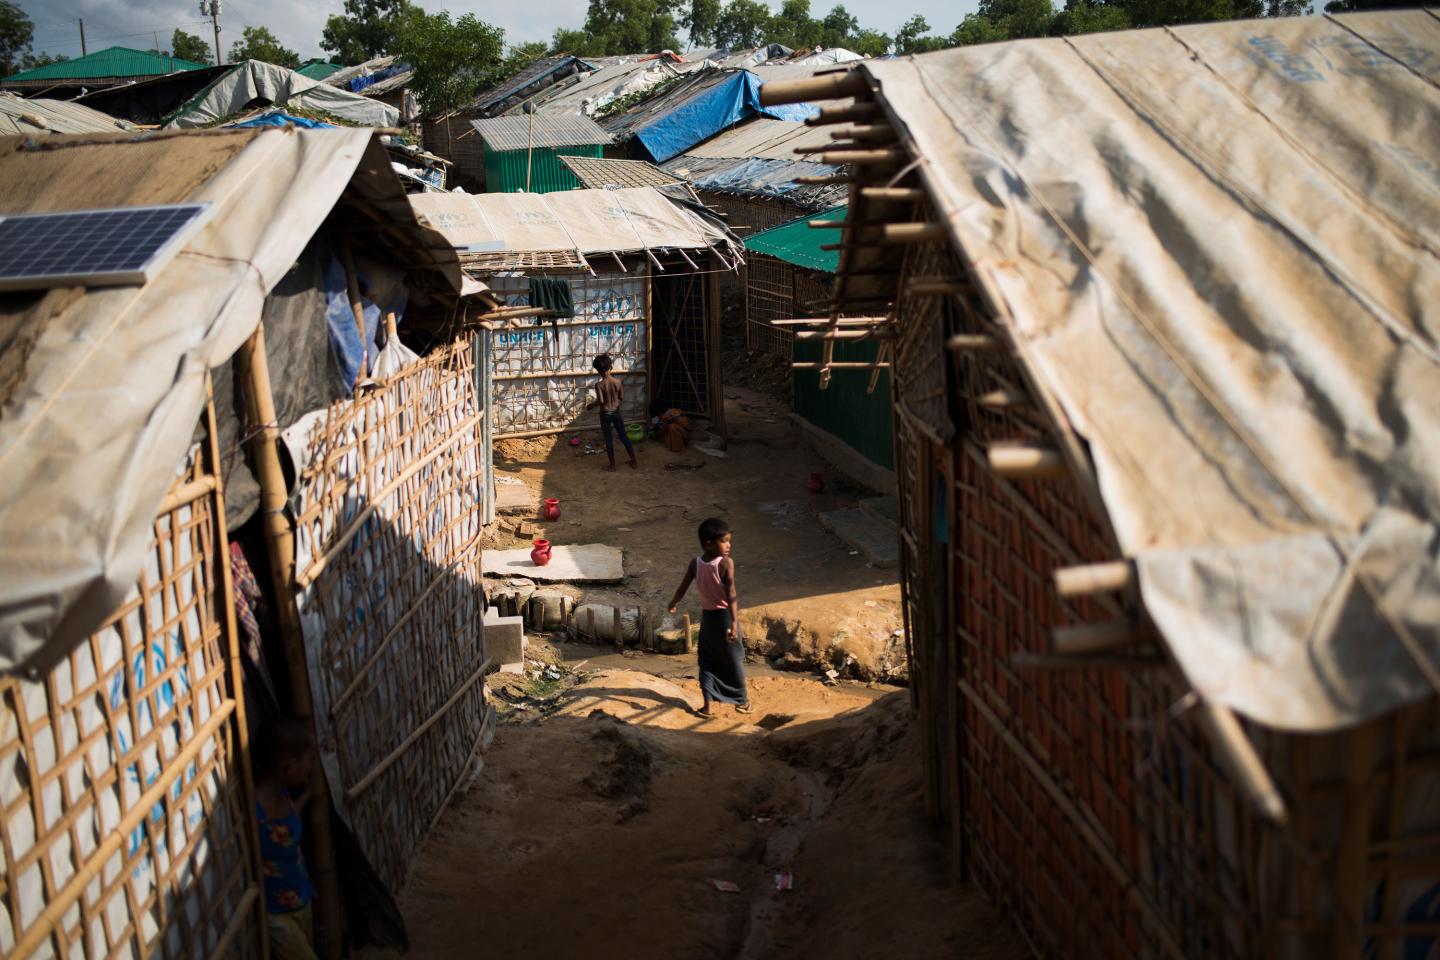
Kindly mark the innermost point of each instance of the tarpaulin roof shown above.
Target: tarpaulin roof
(101, 388)
(795, 242)
(763, 137)
(696, 109)
(539, 130)
(111, 62)
(230, 93)
(759, 177)
(1217, 247)
(343, 76)
(18, 115)
(583, 221)
(590, 94)
(539, 74)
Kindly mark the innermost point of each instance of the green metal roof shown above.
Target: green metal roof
(110, 62)
(319, 69)
(796, 243)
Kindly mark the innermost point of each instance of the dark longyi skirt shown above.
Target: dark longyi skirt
(722, 663)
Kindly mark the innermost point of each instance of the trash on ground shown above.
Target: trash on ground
(784, 881)
(725, 886)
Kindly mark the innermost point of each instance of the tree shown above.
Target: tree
(1083, 16)
(794, 27)
(451, 59)
(911, 37)
(704, 14)
(869, 43)
(187, 46)
(576, 42)
(258, 43)
(977, 29)
(630, 26)
(838, 27)
(32, 60)
(17, 31)
(743, 23)
(367, 29)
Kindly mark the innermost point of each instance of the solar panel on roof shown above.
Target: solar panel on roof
(93, 248)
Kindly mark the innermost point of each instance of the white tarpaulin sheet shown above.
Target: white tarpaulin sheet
(101, 410)
(233, 92)
(590, 221)
(542, 374)
(1217, 248)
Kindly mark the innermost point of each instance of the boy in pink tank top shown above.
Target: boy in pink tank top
(722, 650)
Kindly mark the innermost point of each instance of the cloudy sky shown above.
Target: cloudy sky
(136, 23)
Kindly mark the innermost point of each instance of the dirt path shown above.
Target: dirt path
(806, 598)
(598, 828)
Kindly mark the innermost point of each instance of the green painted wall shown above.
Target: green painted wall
(845, 409)
(505, 169)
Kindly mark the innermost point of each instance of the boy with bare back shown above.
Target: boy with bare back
(609, 393)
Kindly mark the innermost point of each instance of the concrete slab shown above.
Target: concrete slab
(589, 563)
(514, 499)
(876, 539)
(505, 641)
(882, 508)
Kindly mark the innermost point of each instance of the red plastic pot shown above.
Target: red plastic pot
(551, 509)
(816, 484)
(540, 555)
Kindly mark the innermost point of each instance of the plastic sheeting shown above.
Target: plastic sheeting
(707, 112)
(114, 380)
(1218, 248)
(761, 178)
(587, 221)
(232, 92)
(20, 116)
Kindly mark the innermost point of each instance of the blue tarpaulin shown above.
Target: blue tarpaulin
(279, 119)
(709, 112)
(357, 84)
(345, 340)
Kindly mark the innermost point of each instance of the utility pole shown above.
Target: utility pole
(211, 9)
(83, 51)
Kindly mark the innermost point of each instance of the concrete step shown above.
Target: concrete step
(875, 538)
(882, 508)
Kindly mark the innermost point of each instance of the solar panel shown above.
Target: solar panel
(93, 248)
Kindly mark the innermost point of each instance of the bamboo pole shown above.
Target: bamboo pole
(861, 158)
(1237, 754)
(819, 322)
(1025, 461)
(827, 86)
(1003, 399)
(864, 131)
(237, 670)
(868, 334)
(1095, 637)
(838, 365)
(936, 288)
(357, 307)
(823, 181)
(392, 329)
(974, 343)
(189, 492)
(1094, 578)
(845, 114)
(893, 194)
(1351, 878)
(280, 545)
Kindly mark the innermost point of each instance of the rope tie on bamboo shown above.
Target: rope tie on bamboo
(1417, 653)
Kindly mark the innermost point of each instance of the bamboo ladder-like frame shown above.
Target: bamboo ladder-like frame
(130, 830)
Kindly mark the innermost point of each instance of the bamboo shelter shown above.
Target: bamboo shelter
(124, 769)
(1161, 371)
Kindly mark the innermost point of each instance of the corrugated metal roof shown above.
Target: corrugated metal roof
(396, 82)
(110, 62)
(319, 69)
(795, 242)
(21, 116)
(598, 174)
(762, 137)
(516, 133)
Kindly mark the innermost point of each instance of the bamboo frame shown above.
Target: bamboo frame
(128, 826)
(389, 512)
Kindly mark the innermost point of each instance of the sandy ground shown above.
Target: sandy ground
(806, 599)
(607, 810)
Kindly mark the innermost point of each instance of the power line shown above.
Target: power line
(75, 42)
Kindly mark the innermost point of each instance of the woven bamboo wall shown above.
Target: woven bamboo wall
(1090, 805)
(128, 829)
(389, 513)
